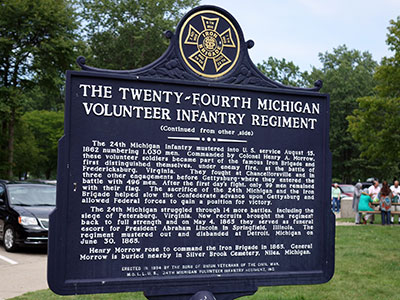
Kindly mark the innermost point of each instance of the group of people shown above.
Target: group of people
(385, 196)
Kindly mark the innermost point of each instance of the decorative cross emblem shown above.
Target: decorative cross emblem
(210, 44)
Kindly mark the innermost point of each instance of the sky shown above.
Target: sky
(298, 30)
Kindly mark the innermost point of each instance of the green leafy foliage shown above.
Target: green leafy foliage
(285, 72)
(347, 75)
(388, 73)
(127, 34)
(375, 122)
(47, 127)
(27, 152)
(37, 40)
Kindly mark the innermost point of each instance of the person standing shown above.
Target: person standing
(395, 188)
(385, 203)
(356, 201)
(336, 193)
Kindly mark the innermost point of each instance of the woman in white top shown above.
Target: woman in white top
(395, 188)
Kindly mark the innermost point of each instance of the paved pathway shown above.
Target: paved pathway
(339, 223)
(22, 272)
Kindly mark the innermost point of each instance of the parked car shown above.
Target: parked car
(24, 213)
(369, 182)
(344, 194)
(366, 185)
(347, 189)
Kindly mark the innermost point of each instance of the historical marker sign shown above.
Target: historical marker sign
(193, 173)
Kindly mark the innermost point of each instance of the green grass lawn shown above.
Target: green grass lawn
(377, 220)
(351, 220)
(367, 267)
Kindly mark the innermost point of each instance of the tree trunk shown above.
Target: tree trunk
(11, 130)
(48, 173)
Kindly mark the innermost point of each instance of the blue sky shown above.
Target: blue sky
(300, 29)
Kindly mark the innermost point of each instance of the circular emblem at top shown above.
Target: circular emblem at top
(209, 43)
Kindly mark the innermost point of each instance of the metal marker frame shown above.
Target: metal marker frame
(173, 69)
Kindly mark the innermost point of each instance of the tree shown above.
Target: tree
(27, 154)
(127, 34)
(347, 75)
(47, 128)
(36, 47)
(388, 73)
(285, 72)
(375, 122)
